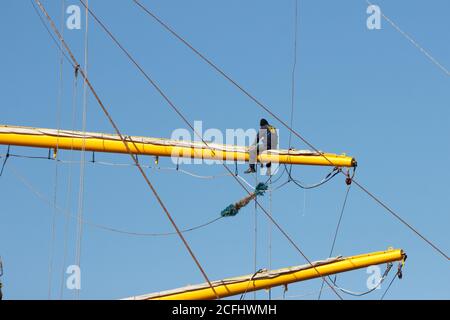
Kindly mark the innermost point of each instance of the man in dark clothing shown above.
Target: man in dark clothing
(266, 139)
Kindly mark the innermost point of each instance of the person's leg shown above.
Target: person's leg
(263, 148)
(253, 152)
(273, 144)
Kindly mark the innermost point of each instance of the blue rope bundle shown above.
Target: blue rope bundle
(233, 209)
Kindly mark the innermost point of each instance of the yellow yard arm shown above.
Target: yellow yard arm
(100, 142)
(269, 279)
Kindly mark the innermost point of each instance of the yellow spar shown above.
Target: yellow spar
(100, 142)
(268, 279)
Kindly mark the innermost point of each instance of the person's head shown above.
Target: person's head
(263, 122)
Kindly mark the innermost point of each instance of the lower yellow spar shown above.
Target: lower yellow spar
(269, 279)
(99, 142)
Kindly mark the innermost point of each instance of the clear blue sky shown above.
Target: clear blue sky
(371, 94)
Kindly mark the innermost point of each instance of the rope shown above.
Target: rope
(4, 161)
(415, 43)
(50, 34)
(293, 71)
(329, 176)
(400, 219)
(270, 234)
(150, 185)
(359, 294)
(68, 215)
(255, 240)
(311, 293)
(336, 231)
(58, 126)
(244, 91)
(159, 168)
(249, 281)
(69, 178)
(293, 76)
(83, 153)
(104, 163)
(389, 286)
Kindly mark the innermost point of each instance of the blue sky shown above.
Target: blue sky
(371, 94)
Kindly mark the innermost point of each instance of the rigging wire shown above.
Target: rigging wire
(293, 72)
(360, 294)
(270, 233)
(255, 240)
(249, 281)
(50, 34)
(4, 161)
(83, 148)
(352, 293)
(294, 65)
(158, 168)
(115, 164)
(150, 185)
(337, 230)
(390, 284)
(400, 218)
(39, 194)
(414, 42)
(56, 155)
(329, 176)
(68, 214)
(69, 185)
(267, 109)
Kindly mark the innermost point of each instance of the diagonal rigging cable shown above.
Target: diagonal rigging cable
(414, 43)
(389, 286)
(51, 34)
(336, 231)
(150, 185)
(400, 218)
(267, 109)
(175, 108)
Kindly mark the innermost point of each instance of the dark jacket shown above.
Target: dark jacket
(270, 133)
